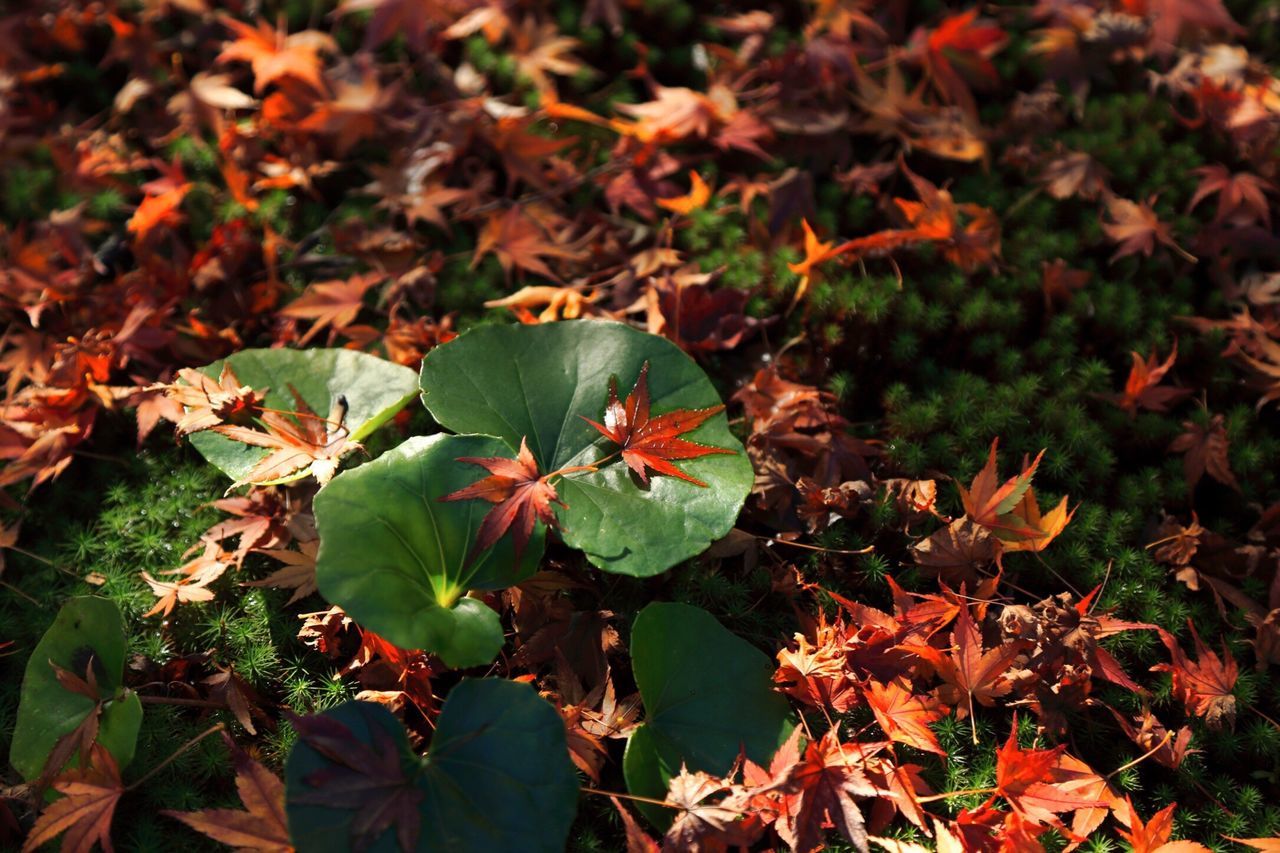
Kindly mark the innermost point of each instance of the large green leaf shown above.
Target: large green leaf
(394, 556)
(375, 390)
(86, 629)
(707, 694)
(539, 382)
(498, 776)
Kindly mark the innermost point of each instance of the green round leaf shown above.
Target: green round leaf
(86, 629)
(497, 778)
(538, 382)
(375, 390)
(394, 556)
(707, 694)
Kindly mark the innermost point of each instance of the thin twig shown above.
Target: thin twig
(186, 703)
(186, 746)
(650, 800)
(1263, 716)
(14, 589)
(773, 540)
(1150, 752)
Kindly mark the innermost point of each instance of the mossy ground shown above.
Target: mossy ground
(935, 365)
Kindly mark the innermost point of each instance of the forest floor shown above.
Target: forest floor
(989, 293)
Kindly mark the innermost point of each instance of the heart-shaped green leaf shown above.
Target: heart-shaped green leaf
(87, 631)
(539, 382)
(395, 557)
(708, 695)
(497, 778)
(374, 389)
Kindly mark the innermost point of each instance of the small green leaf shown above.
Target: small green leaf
(708, 695)
(394, 556)
(375, 390)
(539, 382)
(87, 629)
(497, 777)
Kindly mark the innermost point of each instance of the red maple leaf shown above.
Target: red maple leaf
(652, 442)
(1028, 780)
(819, 792)
(520, 497)
(959, 51)
(818, 673)
(1242, 196)
(367, 778)
(969, 673)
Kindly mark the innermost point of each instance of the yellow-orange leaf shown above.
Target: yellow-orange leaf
(699, 195)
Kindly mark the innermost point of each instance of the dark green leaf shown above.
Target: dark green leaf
(539, 382)
(88, 631)
(708, 695)
(394, 556)
(497, 778)
(374, 389)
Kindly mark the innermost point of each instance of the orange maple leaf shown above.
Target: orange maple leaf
(905, 715)
(1142, 390)
(697, 198)
(992, 505)
(274, 55)
(1029, 780)
(815, 252)
(158, 209)
(1046, 527)
(1205, 685)
(331, 304)
(1153, 835)
(969, 243)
